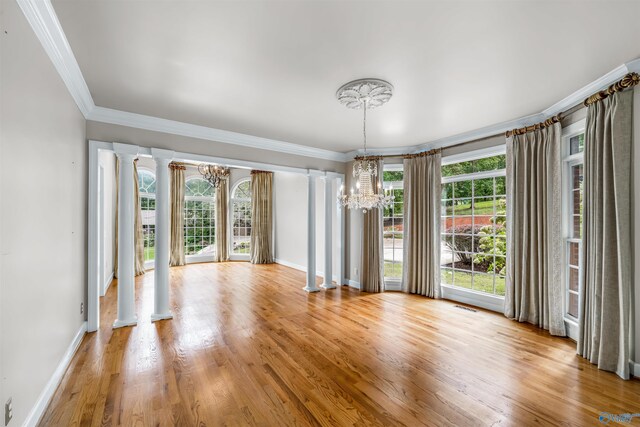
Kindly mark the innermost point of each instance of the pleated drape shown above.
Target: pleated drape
(534, 290)
(139, 235)
(222, 221)
(421, 235)
(371, 266)
(261, 217)
(605, 312)
(177, 215)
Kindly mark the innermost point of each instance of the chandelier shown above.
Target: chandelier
(365, 94)
(213, 173)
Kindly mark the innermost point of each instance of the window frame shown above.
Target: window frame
(195, 258)
(568, 162)
(469, 296)
(148, 263)
(392, 283)
(232, 200)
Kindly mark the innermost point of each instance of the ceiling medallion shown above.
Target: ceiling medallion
(373, 92)
(365, 94)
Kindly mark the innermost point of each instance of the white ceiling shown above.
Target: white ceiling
(271, 68)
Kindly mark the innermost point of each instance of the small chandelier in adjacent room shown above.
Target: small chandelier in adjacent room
(213, 173)
(365, 94)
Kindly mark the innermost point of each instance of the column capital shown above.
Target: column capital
(125, 150)
(160, 154)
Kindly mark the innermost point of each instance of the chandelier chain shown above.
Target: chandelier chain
(364, 128)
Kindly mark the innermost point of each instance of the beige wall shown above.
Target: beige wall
(145, 138)
(290, 210)
(43, 185)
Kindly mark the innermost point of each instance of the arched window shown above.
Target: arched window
(147, 190)
(241, 217)
(199, 217)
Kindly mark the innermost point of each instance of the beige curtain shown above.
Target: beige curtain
(421, 236)
(222, 221)
(139, 235)
(534, 291)
(371, 253)
(177, 214)
(604, 336)
(261, 217)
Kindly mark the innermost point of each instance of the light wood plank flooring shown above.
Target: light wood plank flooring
(248, 347)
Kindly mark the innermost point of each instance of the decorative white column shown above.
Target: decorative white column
(311, 234)
(126, 248)
(328, 234)
(161, 309)
(339, 236)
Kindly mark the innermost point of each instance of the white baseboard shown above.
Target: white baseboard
(393, 286)
(302, 268)
(477, 299)
(107, 283)
(354, 284)
(635, 368)
(47, 393)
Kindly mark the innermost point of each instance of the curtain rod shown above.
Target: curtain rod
(627, 81)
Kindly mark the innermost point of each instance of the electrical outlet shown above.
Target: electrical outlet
(81, 308)
(8, 412)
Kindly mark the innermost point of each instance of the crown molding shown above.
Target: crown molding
(141, 121)
(44, 22)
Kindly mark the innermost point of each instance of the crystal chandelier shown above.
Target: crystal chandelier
(213, 173)
(365, 94)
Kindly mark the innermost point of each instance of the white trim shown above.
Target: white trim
(194, 259)
(239, 257)
(173, 127)
(93, 249)
(478, 299)
(571, 326)
(299, 267)
(473, 176)
(574, 128)
(107, 283)
(392, 285)
(49, 389)
(581, 94)
(475, 154)
(353, 284)
(44, 22)
(635, 368)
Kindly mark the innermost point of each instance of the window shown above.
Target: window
(241, 217)
(147, 192)
(573, 187)
(473, 249)
(393, 226)
(199, 217)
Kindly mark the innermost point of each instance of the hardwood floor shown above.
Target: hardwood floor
(248, 347)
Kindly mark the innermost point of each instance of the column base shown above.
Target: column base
(308, 289)
(123, 323)
(165, 316)
(328, 286)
